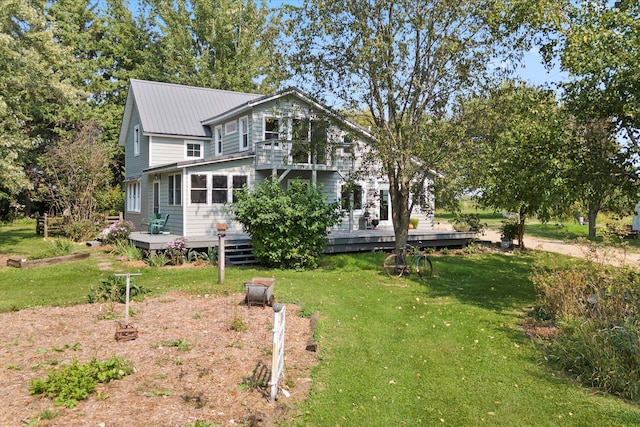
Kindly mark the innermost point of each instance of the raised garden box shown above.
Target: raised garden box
(23, 263)
(259, 291)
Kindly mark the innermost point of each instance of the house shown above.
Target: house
(187, 149)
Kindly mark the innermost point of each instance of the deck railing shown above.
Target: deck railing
(299, 154)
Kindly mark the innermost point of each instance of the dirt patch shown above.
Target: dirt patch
(171, 386)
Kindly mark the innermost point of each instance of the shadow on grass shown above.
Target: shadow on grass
(496, 282)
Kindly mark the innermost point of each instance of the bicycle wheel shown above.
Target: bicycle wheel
(394, 265)
(424, 267)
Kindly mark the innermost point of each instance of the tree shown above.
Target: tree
(224, 44)
(288, 228)
(34, 94)
(516, 137)
(77, 168)
(598, 173)
(404, 61)
(600, 49)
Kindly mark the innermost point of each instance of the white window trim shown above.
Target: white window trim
(134, 196)
(269, 145)
(217, 140)
(186, 150)
(174, 193)
(241, 133)
(207, 188)
(230, 124)
(136, 140)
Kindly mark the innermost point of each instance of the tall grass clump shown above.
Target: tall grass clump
(597, 309)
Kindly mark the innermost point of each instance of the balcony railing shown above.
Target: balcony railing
(287, 154)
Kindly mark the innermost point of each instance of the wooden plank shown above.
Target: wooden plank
(21, 263)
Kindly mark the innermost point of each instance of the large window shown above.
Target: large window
(219, 189)
(244, 133)
(218, 140)
(175, 189)
(133, 196)
(193, 150)
(198, 188)
(239, 181)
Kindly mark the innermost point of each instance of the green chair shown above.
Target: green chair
(158, 224)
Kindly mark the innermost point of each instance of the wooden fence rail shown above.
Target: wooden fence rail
(46, 224)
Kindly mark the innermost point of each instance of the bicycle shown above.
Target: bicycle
(410, 258)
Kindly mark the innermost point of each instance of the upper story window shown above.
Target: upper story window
(198, 188)
(175, 190)
(271, 128)
(217, 140)
(244, 133)
(136, 140)
(193, 150)
(230, 127)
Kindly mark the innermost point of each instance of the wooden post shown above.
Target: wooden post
(46, 227)
(222, 231)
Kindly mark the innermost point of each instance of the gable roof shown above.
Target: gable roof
(172, 109)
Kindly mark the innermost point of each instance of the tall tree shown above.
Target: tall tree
(225, 44)
(34, 94)
(517, 137)
(404, 61)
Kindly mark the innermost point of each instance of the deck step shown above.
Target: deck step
(239, 254)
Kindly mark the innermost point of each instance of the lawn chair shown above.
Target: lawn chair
(158, 225)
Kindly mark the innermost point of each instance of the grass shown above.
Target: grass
(394, 351)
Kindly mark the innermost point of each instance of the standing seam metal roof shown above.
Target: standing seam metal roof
(173, 109)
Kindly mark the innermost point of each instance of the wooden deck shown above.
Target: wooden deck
(338, 242)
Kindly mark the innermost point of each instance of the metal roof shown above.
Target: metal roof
(173, 109)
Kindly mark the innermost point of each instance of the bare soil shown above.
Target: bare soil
(170, 386)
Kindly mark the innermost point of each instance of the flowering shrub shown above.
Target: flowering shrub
(177, 250)
(118, 232)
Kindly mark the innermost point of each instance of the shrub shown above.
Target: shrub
(288, 228)
(81, 231)
(158, 259)
(510, 229)
(114, 289)
(118, 232)
(58, 247)
(128, 250)
(469, 222)
(598, 309)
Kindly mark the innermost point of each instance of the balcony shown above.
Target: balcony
(303, 155)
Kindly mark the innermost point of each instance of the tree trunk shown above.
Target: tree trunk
(591, 216)
(399, 194)
(523, 217)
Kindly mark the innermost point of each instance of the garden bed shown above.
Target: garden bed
(24, 263)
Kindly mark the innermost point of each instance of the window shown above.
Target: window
(230, 127)
(218, 140)
(219, 189)
(133, 196)
(244, 133)
(238, 181)
(271, 128)
(198, 188)
(175, 190)
(136, 140)
(351, 196)
(193, 150)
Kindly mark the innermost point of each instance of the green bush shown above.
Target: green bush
(81, 231)
(118, 232)
(288, 228)
(468, 222)
(114, 289)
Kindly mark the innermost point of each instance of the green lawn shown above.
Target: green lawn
(392, 351)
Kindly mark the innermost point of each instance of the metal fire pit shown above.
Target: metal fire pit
(259, 291)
